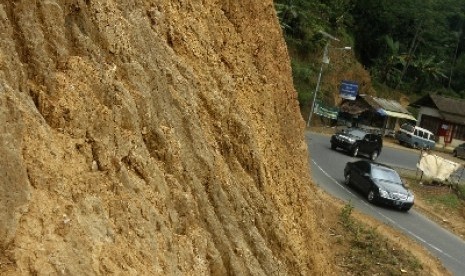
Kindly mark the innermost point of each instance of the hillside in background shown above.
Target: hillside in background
(400, 50)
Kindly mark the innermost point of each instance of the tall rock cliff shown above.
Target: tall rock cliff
(154, 137)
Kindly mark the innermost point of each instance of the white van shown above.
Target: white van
(415, 137)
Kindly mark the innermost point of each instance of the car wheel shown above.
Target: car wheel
(455, 153)
(347, 179)
(405, 209)
(415, 145)
(333, 146)
(371, 197)
(374, 155)
(355, 152)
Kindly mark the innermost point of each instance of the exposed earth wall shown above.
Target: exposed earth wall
(152, 138)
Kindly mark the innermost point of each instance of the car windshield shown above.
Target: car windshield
(356, 133)
(385, 174)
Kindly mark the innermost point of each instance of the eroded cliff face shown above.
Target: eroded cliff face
(152, 137)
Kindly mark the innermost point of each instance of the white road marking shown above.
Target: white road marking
(386, 217)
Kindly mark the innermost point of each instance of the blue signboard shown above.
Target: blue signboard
(348, 90)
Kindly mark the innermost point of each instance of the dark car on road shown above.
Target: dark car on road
(380, 184)
(459, 151)
(357, 141)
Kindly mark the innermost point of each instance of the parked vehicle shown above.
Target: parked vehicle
(380, 184)
(459, 151)
(415, 137)
(357, 141)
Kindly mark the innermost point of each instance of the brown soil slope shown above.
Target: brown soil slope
(152, 137)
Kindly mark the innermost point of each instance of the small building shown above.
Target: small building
(368, 111)
(444, 116)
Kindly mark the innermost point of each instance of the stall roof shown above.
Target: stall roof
(451, 109)
(447, 104)
(400, 115)
(387, 105)
(354, 107)
(391, 108)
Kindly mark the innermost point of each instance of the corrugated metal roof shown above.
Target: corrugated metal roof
(457, 119)
(388, 105)
(449, 105)
(391, 105)
(400, 115)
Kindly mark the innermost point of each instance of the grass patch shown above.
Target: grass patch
(446, 200)
(442, 194)
(370, 253)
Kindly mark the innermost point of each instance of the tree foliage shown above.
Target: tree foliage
(416, 46)
(430, 41)
(302, 20)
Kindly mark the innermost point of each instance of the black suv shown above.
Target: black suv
(356, 141)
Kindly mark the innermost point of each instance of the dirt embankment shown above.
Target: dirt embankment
(153, 137)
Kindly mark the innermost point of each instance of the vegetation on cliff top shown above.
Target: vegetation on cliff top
(412, 47)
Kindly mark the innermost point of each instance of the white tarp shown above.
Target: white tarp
(436, 167)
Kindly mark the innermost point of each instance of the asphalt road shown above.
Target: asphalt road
(327, 168)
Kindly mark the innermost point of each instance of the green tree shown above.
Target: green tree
(411, 45)
(429, 73)
(392, 63)
(458, 81)
(423, 29)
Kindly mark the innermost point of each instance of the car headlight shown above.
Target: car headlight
(351, 140)
(383, 193)
(410, 197)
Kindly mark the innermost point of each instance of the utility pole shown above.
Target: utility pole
(325, 60)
